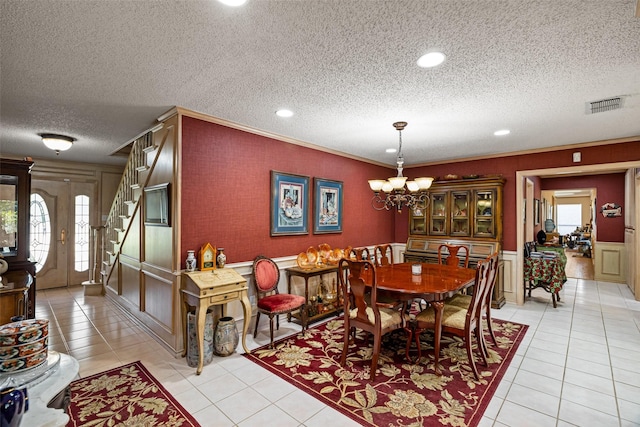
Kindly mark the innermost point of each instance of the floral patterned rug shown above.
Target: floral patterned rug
(125, 396)
(403, 393)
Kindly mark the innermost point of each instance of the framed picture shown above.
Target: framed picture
(289, 204)
(156, 205)
(536, 211)
(327, 216)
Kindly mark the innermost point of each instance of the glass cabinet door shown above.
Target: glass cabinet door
(418, 221)
(484, 213)
(460, 213)
(438, 217)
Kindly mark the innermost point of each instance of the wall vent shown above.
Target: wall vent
(604, 105)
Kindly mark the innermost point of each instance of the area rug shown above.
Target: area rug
(125, 396)
(404, 393)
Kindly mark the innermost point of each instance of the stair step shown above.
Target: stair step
(150, 149)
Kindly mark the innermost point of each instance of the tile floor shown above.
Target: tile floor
(579, 364)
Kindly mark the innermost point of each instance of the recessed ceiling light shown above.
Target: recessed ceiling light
(502, 132)
(233, 3)
(390, 150)
(431, 59)
(284, 113)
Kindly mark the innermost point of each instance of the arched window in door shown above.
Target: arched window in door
(40, 231)
(82, 242)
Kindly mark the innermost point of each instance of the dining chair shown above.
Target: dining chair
(266, 276)
(464, 301)
(357, 278)
(459, 321)
(383, 255)
(358, 254)
(456, 255)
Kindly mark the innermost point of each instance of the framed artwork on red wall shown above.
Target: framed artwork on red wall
(289, 204)
(327, 216)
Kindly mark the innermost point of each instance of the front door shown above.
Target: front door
(61, 235)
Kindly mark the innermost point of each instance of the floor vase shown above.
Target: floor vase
(226, 337)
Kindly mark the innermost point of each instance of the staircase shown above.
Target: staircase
(126, 202)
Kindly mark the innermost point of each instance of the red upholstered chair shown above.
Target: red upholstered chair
(266, 276)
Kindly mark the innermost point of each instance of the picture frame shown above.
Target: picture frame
(328, 201)
(289, 204)
(157, 210)
(536, 211)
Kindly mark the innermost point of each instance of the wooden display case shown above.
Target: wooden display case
(15, 194)
(461, 212)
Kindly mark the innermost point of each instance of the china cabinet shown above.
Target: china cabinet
(15, 193)
(461, 212)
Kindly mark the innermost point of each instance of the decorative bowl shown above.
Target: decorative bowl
(23, 344)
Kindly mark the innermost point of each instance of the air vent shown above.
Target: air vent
(604, 105)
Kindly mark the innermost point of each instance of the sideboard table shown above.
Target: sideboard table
(216, 287)
(305, 273)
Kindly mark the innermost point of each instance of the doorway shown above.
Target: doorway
(61, 213)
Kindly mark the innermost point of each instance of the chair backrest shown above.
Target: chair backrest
(383, 255)
(481, 287)
(493, 275)
(458, 255)
(358, 254)
(266, 275)
(356, 279)
(528, 248)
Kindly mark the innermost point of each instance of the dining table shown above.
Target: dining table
(434, 284)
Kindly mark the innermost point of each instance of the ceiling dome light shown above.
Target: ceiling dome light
(431, 59)
(56, 142)
(233, 3)
(502, 132)
(284, 113)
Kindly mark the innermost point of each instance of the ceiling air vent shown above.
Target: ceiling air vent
(604, 105)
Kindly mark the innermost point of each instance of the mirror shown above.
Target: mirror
(8, 215)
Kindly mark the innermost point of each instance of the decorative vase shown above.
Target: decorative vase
(191, 261)
(225, 337)
(222, 258)
(192, 340)
(549, 225)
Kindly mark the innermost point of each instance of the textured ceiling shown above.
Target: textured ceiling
(102, 71)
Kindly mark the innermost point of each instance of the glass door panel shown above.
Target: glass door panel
(484, 213)
(438, 217)
(418, 221)
(460, 213)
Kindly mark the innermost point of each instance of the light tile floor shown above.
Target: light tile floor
(579, 364)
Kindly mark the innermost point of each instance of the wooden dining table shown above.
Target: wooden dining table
(435, 284)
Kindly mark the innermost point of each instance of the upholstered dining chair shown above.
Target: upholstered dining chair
(383, 255)
(464, 301)
(455, 255)
(462, 322)
(266, 276)
(357, 278)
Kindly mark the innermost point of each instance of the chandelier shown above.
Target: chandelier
(396, 191)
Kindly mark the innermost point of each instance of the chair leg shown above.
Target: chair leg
(409, 331)
(271, 330)
(255, 331)
(345, 349)
(490, 326)
(278, 322)
(482, 345)
(472, 362)
(376, 355)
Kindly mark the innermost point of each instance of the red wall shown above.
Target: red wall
(609, 188)
(225, 196)
(507, 167)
